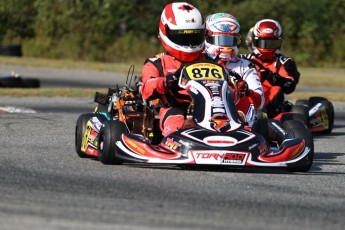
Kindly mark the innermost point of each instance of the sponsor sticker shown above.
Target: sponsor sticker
(267, 30)
(220, 141)
(217, 102)
(219, 157)
(170, 143)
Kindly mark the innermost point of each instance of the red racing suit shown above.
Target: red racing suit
(278, 76)
(175, 102)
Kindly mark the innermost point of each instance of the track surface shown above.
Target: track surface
(45, 185)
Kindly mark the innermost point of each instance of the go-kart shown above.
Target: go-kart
(317, 113)
(15, 80)
(124, 128)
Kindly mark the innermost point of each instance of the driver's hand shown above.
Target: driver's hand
(268, 75)
(242, 87)
(171, 82)
(234, 74)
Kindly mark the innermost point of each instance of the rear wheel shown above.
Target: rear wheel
(109, 133)
(329, 110)
(296, 129)
(330, 113)
(80, 130)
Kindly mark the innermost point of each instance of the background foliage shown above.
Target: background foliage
(120, 31)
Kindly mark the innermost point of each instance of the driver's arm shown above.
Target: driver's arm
(153, 83)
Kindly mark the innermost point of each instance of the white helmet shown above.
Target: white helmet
(222, 36)
(182, 31)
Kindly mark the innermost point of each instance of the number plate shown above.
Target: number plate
(205, 72)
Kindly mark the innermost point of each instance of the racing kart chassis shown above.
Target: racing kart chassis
(124, 128)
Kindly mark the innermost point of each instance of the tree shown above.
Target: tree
(16, 17)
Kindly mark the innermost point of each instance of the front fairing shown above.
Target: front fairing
(194, 146)
(205, 147)
(202, 139)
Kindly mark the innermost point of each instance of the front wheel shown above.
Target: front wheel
(303, 112)
(109, 133)
(80, 131)
(296, 129)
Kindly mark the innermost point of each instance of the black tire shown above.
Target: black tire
(11, 82)
(329, 109)
(304, 113)
(315, 99)
(110, 132)
(302, 102)
(261, 126)
(80, 130)
(330, 113)
(11, 50)
(294, 116)
(31, 83)
(157, 133)
(296, 129)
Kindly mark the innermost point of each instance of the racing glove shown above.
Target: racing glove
(234, 74)
(171, 82)
(268, 75)
(236, 79)
(242, 87)
(287, 84)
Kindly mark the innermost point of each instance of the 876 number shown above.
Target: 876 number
(206, 73)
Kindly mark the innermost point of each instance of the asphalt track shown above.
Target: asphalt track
(45, 185)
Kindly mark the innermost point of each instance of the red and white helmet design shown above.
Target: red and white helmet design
(267, 38)
(182, 31)
(222, 36)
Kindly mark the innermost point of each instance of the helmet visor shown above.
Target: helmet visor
(221, 40)
(268, 43)
(186, 37)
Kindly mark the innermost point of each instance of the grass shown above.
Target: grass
(38, 62)
(332, 96)
(323, 77)
(52, 92)
(316, 77)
